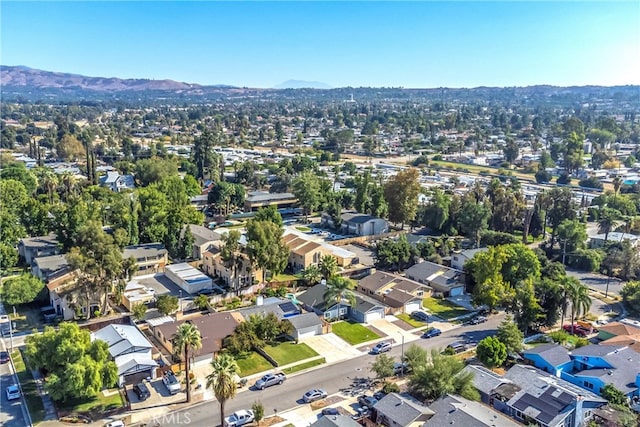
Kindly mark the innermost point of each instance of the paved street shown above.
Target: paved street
(331, 378)
(12, 412)
(598, 281)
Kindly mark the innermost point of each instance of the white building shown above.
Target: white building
(188, 278)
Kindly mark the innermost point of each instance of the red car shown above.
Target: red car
(577, 330)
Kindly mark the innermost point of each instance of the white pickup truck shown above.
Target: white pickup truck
(239, 418)
(171, 382)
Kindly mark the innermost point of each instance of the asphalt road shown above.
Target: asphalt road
(11, 411)
(331, 378)
(598, 281)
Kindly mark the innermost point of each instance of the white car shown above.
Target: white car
(118, 423)
(13, 392)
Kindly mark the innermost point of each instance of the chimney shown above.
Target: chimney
(179, 315)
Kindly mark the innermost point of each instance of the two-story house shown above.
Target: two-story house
(446, 281)
(399, 294)
(116, 182)
(150, 258)
(31, 248)
(130, 350)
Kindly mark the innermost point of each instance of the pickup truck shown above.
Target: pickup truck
(239, 418)
(269, 380)
(171, 381)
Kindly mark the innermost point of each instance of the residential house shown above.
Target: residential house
(31, 248)
(304, 251)
(395, 410)
(200, 202)
(535, 397)
(551, 358)
(446, 281)
(56, 273)
(335, 421)
(592, 367)
(459, 259)
(116, 182)
(130, 350)
(358, 224)
(485, 381)
(599, 241)
(150, 258)
(399, 294)
(203, 240)
(245, 273)
(616, 329)
(214, 328)
(460, 412)
(306, 325)
(364, 311)
(258, 199)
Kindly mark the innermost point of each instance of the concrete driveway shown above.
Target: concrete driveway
(332, 347)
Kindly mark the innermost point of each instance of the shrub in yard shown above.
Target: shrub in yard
(390, 388)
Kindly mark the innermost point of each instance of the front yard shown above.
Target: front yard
(289, 352)
(252, 364)
(104, 401)
(353, 333)
(443, 308)
(411, 321)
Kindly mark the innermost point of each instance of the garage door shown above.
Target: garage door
(306, 333)
(411, 307)
(374, 315)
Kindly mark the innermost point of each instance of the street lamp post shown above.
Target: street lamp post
(402, 356)
(180, 300)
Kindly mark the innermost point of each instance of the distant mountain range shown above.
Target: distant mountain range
(301, 84)
(25, 76)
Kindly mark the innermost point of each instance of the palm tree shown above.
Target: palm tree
(187, 338)
(607, 222)
(340, 289)
(565, 283)
(222, 379)
(617, 183)
(231, 255)
(328, 266)
(311, 275)
(580, 300)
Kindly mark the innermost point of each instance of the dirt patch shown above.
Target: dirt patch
(271, 421)
(403, 325)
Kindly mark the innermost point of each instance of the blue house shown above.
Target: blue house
(591, 367)
(551, 358)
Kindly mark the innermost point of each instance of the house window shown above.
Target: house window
(588, 385)
(587, 414)
(518, 414)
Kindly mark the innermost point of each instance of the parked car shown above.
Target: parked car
(433, 332)
(478, 320)
(381, 347)
(4, 357)
(118, 423)
(361, 412)
(420, 316)
(171, 382)
(313, 395)
(270, 379)
(330, 411)
(239, 418)
(368, 401)
(577, 330)
(13, 392)
(142, 391)
(459, 346)
(401, 368)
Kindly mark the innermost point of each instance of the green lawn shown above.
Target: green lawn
(353, 333)
(252, 364)
(305, 365)
(283, 277)
(408, 319)
(288, 352)
(29, 388)
(97, 405)
(303, 229)
(443, 308)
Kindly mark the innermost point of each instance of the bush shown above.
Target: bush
(564, 179)
(542, 176)
(585, 259)
(492, 352)
(631, 296)
(496, 238)
(591, 182)
(437, 157)
(390, 388)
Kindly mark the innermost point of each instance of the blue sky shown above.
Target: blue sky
(261, 44)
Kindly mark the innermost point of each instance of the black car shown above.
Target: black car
(368, 401)
(420, 316)
(142, 391)
(4, 357)
(330, 411)
(433, 332)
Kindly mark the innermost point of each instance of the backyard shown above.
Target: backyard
(353, 333)
(443, 308)
(288, 352)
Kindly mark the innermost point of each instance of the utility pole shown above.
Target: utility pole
(402, 356)
(564, 251)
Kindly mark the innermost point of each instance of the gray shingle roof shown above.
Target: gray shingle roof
(335, 421)
(401, 410)
(554, 354)
(460, 412)
(484, 379)
(356, 218)
(305, 320)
